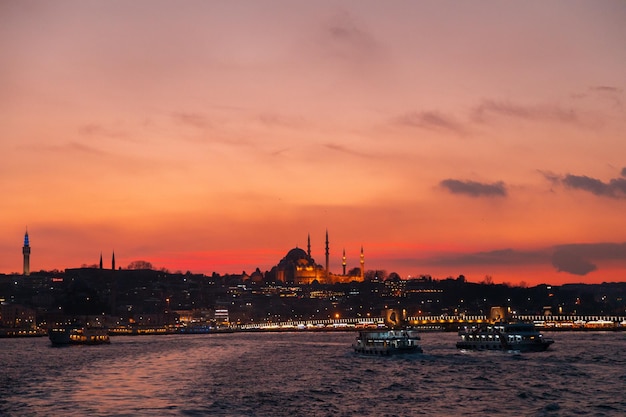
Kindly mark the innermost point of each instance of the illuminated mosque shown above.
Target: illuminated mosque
(298, 267)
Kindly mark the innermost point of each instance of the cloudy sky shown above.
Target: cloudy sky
(477, 138)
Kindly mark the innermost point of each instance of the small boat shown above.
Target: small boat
(387, 342)
(508, 336)
(77, 335)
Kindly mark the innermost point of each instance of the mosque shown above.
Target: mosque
(299, 267)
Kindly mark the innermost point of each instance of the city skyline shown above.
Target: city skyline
(482, 139)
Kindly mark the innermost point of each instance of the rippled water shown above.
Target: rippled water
(309, 374)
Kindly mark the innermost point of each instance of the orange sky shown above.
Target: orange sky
(475, 138)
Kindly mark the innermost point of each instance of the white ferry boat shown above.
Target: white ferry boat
(513, 336)
(76, 335)
(387, 342)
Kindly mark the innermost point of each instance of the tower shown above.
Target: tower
(113, 261)
(327, 256)
(26, 253)
(362, 264)
(343, 261)
(308, 245)
(100, 260)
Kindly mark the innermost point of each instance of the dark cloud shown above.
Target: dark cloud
(495, 257)
(474, 189)
(612, 95)
(430, 120)
(579, 259)
(615, 188)
(489, 108)
(583, 182)
(564, 261)
(576, 259)
(550, 176)
(606, 89)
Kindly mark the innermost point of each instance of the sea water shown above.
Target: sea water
(309, 374)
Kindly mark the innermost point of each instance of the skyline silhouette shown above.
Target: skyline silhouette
(297, 256)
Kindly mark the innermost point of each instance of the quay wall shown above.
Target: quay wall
(445, 322)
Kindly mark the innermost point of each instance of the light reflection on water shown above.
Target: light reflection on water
(294, 374)
(153, 382)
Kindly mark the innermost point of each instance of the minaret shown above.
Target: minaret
(308, 245)
(362, 264)
(113, 261)
(26, 253)
(327, 258)
(343, 261)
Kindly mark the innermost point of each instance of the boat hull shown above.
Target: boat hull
(386, 351)
(78, 336)
(507, 336)
(387, 342)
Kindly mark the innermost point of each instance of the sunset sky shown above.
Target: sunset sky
(446, 138)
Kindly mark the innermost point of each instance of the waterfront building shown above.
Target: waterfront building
(221, 316)
(17, 316)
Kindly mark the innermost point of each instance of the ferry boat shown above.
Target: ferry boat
(387, 342)
(77, 335)
(509, 336)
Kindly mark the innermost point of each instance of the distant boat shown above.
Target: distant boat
(78, 335)
(387, 342)
(514, 336)
(203, 329)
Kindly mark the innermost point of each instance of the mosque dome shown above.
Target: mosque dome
(298, 267)
(295, 255)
